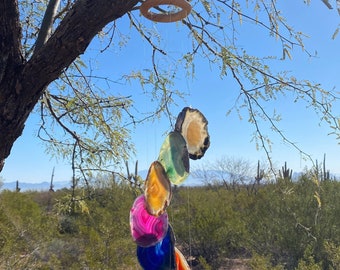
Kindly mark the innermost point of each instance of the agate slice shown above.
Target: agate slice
(181, 261)
(193, 126)
(157, 189)
(146, 229)
(160, 256)
(174, 157)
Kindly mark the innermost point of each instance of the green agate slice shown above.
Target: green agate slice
(174, 157)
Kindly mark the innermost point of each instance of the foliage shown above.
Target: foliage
(24, 227)
(282, 222)
(281, 226)
(333, 253)
(87, 118)
(308, 262)
(262, 262)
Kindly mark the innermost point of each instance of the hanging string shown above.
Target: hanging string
(189, 223)
(149, 221)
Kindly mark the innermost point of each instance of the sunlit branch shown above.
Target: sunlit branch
(51, 109)
(113, 28)
(47, 23)
(274, 126)
(271, 29)
(140, 31)
(63, 11)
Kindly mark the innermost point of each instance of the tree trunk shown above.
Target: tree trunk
(22, 82)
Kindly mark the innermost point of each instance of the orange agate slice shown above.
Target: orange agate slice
(180, 261)
(157, 189)
(193, 126)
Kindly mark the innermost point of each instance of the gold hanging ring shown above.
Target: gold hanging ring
(168, 17)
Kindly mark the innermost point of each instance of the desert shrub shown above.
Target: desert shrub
(105, 231)
(207, 226)
(307, 262)
(23, 228)
(262, 262)
(277, 223)
(284, 225)
(332, 254)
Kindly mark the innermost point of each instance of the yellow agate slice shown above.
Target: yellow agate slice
(193, 126)
(174, 157)
(157, 189)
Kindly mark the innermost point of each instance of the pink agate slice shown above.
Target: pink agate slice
(146, 230)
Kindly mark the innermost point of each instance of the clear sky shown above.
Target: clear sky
(229, 136)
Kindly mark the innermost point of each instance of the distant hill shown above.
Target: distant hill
(43, 186)
(190, 181)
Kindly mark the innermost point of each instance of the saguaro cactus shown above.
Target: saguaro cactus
(325, 173)
(286, 173)
(135, 181)
(259, 176)
(17, 188)
(260, 173)
(51, 182)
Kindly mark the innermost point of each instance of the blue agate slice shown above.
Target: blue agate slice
(160, 256)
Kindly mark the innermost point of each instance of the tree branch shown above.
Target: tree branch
(47, 23)
(10, 34)
(19, 96)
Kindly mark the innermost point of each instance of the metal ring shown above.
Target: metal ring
(172, 17)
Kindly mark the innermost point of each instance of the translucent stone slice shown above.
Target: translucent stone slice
(146, 230)
(160, 256)
(193, 126)
(174, 157)
(181, 261)
(157, 189)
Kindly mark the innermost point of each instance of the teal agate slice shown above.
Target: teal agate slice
(174, 157)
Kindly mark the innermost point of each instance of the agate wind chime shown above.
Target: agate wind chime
(150, 228)
(149, 224)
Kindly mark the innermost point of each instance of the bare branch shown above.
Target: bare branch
(47, 23)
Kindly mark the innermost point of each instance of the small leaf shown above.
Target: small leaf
(286, 52)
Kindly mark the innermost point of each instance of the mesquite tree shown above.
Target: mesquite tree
(41, 44)
(24, 76)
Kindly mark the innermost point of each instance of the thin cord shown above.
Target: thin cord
(189, 225)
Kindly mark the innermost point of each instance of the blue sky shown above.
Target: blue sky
(229, 136)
